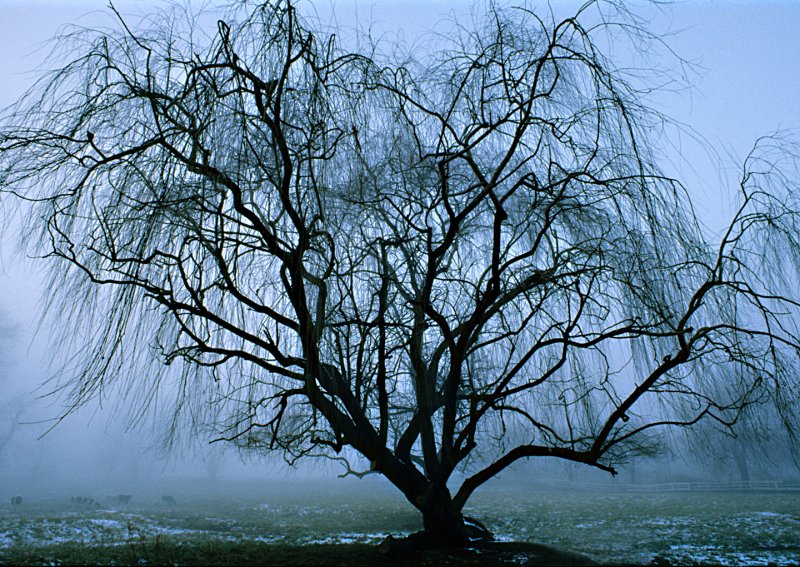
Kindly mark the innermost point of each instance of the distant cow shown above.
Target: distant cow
(16, 500)
(123, 498)
(168, 500)
(83, 500)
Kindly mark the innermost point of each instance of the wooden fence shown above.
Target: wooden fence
(743, 486)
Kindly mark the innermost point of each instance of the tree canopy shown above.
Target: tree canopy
(446, 261)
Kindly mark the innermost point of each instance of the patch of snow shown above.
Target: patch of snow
(107, 523)
(773, 515)
(765, 558)
(350, 537)
(520, 559)
(714, 554)
(475, 550)
(683, 547)
(168, 530)
(267, 539)
(6, 540)
(320, 541)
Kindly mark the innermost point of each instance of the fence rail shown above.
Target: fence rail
(743, 486)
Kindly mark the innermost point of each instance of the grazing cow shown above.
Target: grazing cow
(123, 498)
(84, 501)
(16, 501)
(168, 500)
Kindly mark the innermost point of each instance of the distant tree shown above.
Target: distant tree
(213, 457)
(446, 261)
(9, 422)
(757, 445)
(12, 405)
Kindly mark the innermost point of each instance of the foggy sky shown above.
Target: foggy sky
(744, 85)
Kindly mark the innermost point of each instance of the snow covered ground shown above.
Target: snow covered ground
(678, 528)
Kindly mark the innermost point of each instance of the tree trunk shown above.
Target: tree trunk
(442, 520)
(444, 523)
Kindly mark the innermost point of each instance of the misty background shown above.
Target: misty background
(744, 73)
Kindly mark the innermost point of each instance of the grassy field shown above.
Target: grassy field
(288, 522)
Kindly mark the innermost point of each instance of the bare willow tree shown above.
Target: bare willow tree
(417, 266)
